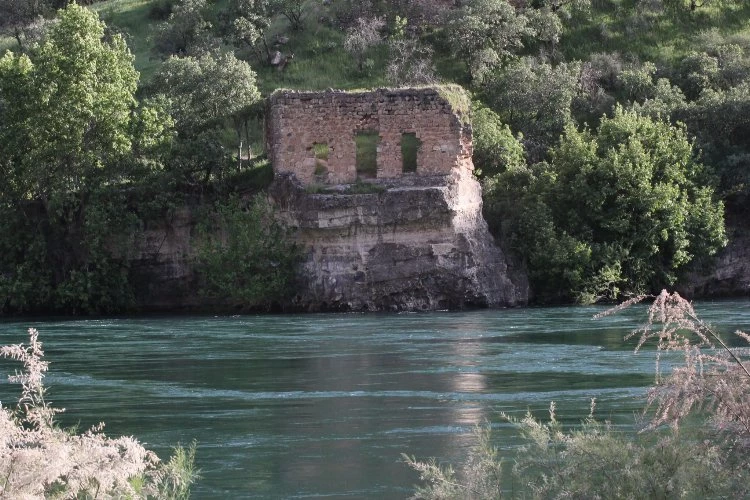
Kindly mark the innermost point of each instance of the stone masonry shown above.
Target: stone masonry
(297, 121)
(417, 239)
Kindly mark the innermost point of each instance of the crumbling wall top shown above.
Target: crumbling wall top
(337, 137)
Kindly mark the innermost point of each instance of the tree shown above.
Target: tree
(18, 18)
(487, 33)
(618, 210)
(294, 10)
(708, 393)
(69, 109)
(495, 148)
(534, 97)
(246, 23)
(203, 94)
(362, 36)
(250, 260)
(70, 128)
(40, 459)
(186, 31)
(409, 63)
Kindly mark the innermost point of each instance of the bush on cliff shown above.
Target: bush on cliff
(615, 211)
(246, 257)
(72, 136)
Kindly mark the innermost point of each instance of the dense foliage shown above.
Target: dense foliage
(86, 164)
(70, 129)
(618, 210)
(245, 254)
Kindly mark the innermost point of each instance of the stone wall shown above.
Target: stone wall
(297, 121)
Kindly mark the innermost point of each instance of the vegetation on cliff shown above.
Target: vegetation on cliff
(613, 211)
(543, 76)
(87, 163)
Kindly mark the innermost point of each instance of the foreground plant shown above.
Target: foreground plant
(714, 378)
(666, 460)
(38, 459)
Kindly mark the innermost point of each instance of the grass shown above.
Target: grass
(648, 35)
(321, 151)
(7, 43)
(131, 17)
(319, 62)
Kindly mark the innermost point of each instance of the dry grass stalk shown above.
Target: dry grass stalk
(713, 380)
(38, 459)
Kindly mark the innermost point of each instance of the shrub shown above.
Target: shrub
(245, 255)
(39, 459)
(595, 461)
(361, 37)
(616, 211)
(495, 148)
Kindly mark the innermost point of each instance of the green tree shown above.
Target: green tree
(487, 33)
(362, 36)
(246, 256)
(204, 94)
(71, 133)
(69, 110)
(495, 148)
(186, 31)
(18, 18)
(618, 210)
(294, 10)
(535, 98)
(247, 23)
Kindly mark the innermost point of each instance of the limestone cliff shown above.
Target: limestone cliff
(161, 264)
(414, 240)
(728, 274)
(419, 245)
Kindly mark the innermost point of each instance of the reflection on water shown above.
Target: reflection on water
(323, 405)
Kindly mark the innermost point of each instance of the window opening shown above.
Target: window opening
(410, 145)
(367, 153)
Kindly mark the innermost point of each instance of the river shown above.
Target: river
(323, 405)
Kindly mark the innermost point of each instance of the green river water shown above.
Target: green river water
(301, 406)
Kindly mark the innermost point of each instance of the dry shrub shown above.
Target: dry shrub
(713, 380)
(696, 443)
(38, 459)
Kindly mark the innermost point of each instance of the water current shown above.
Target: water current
(301, 406)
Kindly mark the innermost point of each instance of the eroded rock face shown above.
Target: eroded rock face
(161, 265)
(416, 244)
(728, 275)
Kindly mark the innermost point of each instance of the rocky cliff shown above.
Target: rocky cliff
(728, 274)
(161, 264)
(414, 244)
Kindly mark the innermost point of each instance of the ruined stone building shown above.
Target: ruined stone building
(319, 136)
(415, 239)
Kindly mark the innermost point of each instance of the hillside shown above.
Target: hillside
(637, 107)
